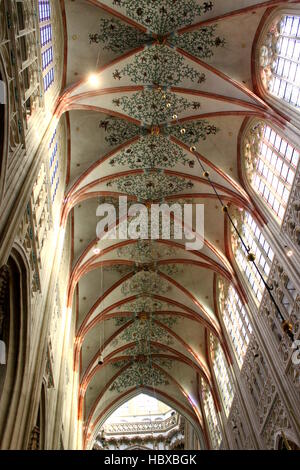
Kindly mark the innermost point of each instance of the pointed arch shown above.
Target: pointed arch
(17, 317)
(129, 394)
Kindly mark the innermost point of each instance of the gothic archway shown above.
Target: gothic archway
(158, 396)
(286, 440)
(14, 316)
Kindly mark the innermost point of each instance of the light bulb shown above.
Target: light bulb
(96, 251)
(94, 80)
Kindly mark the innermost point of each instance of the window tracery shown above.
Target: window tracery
(258, 245)
(46, 43)
(220, 368)
(236, 320)
(54, 164)
(211, 416)
(280, 60)
(271, 163)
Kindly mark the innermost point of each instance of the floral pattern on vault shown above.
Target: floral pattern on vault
(118, 37)
(150, 186)
(138, 374)
(200, 43)
(146, 251)
(159, 65)
(145, 282)
(149, 107)
(151, 152)
(163, 16)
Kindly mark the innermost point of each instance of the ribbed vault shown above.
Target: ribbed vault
(151, 315)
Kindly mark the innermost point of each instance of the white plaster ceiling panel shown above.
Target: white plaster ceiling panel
(213, 146)
(214, 224)
(88, 141)
(93, 341)
(91, 286)
(238, 46)
(194, 336)
(197, 280)
(83, 19)
(85, 222)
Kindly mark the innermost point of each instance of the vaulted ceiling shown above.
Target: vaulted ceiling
(150, 306)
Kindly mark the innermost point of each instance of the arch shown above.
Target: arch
(221, 373)
(138, 447)
(264, 56)
(152, 393)
(258, 250)
(52, 47)
(268, 160)
(234, 316)
(210, 415)
(17, 315)
(4, 127)
(286, 438)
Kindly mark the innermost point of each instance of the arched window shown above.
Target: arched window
(235, 319)
(271, 163)
(280, 60)
(14, 331)
(54, 164)
(56, 168)
(220, 368)
(259, 246)
(211, 416)
(46, 43)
